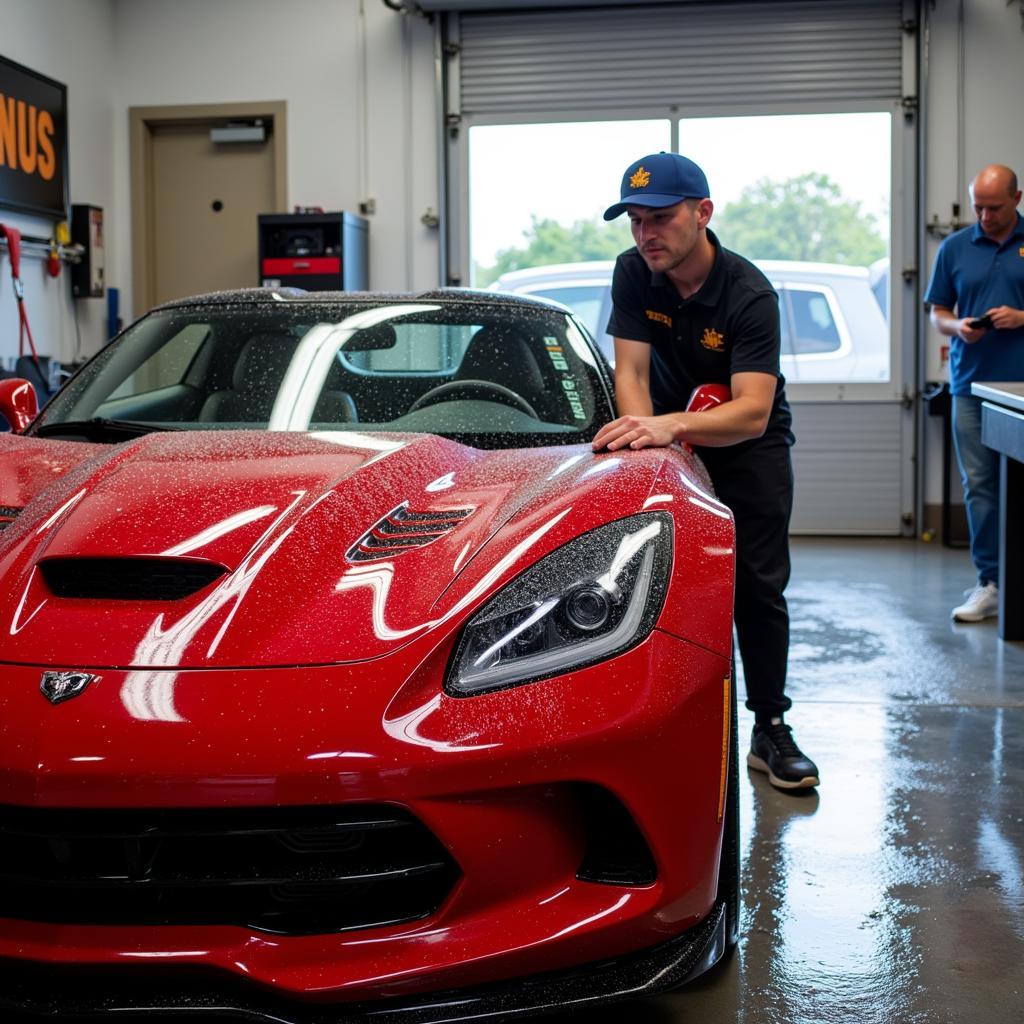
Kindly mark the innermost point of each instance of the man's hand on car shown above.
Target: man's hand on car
(637, 432)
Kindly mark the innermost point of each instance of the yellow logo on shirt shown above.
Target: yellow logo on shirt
(662, 318)
(713, 340)
(641, 178)
(1020, 251)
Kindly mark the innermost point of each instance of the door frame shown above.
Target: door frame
(142, 121)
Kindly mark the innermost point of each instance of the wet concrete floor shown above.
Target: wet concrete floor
(895, 894)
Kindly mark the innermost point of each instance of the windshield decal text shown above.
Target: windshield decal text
(569, 387)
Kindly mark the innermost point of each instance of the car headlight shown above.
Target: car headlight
(593, 598)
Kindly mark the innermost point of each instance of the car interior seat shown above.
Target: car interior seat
(256, 381)
(503, 354)
(335, 404)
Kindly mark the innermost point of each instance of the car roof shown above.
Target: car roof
(602, 270)
(817, 270)
(555, 271)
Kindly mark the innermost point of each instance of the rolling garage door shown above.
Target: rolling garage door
(705, 57)
(854, 453)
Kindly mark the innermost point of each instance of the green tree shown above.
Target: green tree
(549, 242)
(802, 218)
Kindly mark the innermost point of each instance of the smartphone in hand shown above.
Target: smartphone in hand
(981, 322)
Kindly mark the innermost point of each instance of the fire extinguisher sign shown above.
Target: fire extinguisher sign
(33, 142)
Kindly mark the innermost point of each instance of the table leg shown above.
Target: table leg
(1011, 546)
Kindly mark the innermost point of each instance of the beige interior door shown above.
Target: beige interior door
(195, 202)
(206, 198)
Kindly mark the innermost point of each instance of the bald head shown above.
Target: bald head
(996, 178)
(995, 196)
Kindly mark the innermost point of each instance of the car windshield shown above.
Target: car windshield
(489, 374)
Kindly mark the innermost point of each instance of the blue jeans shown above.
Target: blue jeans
(979, 473)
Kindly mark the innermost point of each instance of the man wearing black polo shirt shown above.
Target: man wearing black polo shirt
(688, 312)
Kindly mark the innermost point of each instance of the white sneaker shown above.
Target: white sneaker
(982, 603)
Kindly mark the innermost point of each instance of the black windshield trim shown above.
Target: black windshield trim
(100, 426)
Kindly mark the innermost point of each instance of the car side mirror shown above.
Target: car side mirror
(707, 396)
(18, 403)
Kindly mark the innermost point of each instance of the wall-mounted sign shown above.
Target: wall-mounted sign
(33, 141)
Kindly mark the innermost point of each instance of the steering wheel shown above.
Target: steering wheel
(485, 390)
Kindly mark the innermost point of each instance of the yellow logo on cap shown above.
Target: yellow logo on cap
(713, 340)
(640, 179)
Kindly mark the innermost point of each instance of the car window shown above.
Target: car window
(785, 330)
(417, 348)
(166, 366)
(809, 323)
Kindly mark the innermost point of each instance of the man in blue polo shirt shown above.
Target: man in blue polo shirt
(979, 272)
(688, 312)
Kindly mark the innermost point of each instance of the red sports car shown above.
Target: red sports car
(340, 677)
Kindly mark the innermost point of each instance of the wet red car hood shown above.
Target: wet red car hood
(280, 516)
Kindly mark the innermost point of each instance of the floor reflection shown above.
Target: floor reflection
(822, 943)
(896, 893)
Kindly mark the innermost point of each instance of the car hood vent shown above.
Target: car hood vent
(128, 579)
(7, 514)
(402, 530)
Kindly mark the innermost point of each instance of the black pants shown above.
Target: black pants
(756, 482)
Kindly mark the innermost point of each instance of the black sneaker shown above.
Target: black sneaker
(773, 750)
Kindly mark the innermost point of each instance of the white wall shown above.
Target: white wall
(358, 82)
(972, 118)
(358, 79)
(70, 41)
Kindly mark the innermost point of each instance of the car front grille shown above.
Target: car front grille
(128, 579)
(294, 871)
(7, 514)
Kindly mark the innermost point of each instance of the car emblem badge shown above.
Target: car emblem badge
(61, 686)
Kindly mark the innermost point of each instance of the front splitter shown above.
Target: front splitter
(31, 993)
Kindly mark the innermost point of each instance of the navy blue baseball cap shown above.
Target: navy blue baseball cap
(661, 179)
